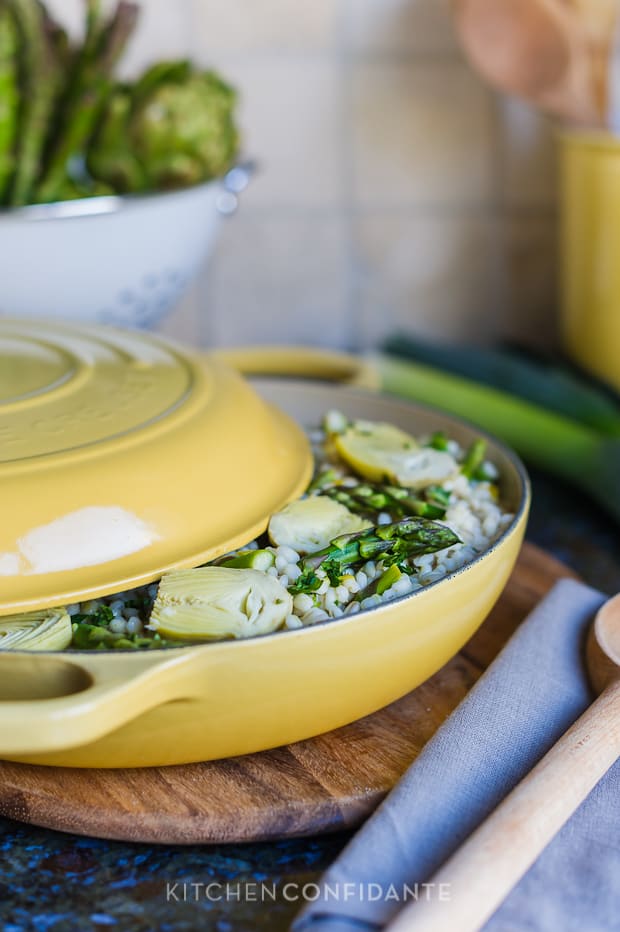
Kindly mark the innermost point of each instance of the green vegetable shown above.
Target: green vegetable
(439, 441)
(99, 618)
(485, 473)
(93, 637)
(176, 130)
(548, 440)
(391, 543)
(307, 581)
(9, 97)
(110, 156)
(40, 84)
(474, 458)
(435, 495)
(323, 479)
(387, 579)
(250, 559)
(58, 38)
(69, 130)
(90, 86)
(369, 499)
(542, 383)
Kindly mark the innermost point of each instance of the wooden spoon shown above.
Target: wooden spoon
(494, 858)
(553, 53)
(598, 19)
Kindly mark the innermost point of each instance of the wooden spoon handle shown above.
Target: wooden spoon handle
(488, 865)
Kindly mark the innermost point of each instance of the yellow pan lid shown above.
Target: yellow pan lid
(123, 456)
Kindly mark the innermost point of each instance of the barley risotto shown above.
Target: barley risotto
(386, 514)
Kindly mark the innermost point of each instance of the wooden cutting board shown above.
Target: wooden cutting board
(324, 784)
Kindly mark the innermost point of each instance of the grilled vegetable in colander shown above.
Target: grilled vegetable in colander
(68, 129)
(176, 128)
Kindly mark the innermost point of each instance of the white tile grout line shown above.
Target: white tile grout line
(499, 276)
(347, 161)
(413, 210)
(329, 53)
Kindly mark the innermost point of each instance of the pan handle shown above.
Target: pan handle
(303, 362)
(49, 703)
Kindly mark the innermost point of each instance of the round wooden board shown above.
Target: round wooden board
(327, 783)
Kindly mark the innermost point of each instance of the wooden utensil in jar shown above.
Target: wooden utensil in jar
(598, 20)
(494, 858)
(553, 53)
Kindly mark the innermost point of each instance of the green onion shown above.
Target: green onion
(439, 441)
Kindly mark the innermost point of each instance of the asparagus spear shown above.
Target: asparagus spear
(94, 26)
(382, 583)
(111, 156)
(40, 82)
(323, 479)
(91, 87)
(58, 37)
(474, 458)
(391, 543)
(250, 559)
(369, 499)
(9, 96)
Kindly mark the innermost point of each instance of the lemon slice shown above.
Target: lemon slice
(45, 630)
(383, 452)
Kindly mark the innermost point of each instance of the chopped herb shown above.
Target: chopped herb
(95, 637)
(100, 618)
(439, 441)
(308, 582)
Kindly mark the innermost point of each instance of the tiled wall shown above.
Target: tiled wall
(394, 190)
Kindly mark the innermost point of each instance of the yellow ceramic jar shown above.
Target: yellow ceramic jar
(590, 260)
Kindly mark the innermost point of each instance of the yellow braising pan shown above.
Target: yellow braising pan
(203, 483)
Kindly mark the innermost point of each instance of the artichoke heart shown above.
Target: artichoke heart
(45, 630)
(381, 451)
(310, 524)
(174, 128)
(219, 602)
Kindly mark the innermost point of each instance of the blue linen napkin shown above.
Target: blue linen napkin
(528, 697)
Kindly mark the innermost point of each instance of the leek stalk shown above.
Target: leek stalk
(555, 387)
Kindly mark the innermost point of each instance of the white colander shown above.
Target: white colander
(120, 260)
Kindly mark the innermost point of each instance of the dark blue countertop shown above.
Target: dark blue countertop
(50, 881)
